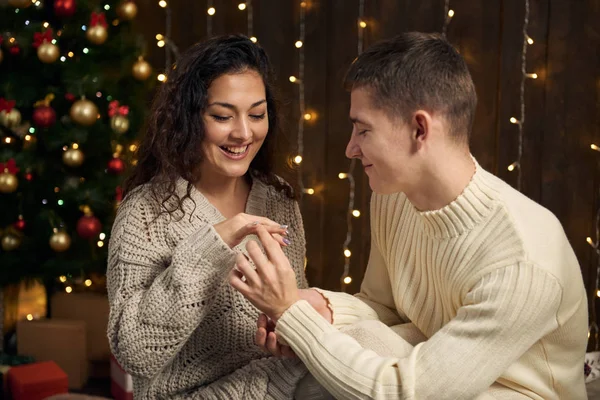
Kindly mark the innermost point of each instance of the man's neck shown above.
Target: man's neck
(442, 181)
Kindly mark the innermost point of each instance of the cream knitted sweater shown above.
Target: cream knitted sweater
(175, 323)
(489, 282)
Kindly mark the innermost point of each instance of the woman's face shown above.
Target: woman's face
(236, 124)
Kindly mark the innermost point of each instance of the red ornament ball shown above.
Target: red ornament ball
(44, 116)
(116, 166)
(15, 50)
(20, 224)
(88, 227)
(29, 176)
(64, 8)
(70, 97)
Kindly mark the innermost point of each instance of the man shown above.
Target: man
(484, 277)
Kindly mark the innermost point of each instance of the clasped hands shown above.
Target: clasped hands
(271, 288)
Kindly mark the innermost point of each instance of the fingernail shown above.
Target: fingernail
(286, 233)
(286, 241)
(255, 223)
(283, 226)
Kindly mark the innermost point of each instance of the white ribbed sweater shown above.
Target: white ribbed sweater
(491, 285)
(175, 323)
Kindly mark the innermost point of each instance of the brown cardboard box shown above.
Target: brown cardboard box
(91, 308)
(58, 340)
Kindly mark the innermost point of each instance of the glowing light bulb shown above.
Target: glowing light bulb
(532, 75)
(298, 44)
(162, 3)
(347, 253)
(451, 13)
(68, 289)
(342, 175)
(62, 278)
(88, 282)
(161, 77)
(513, 120)
(29, 317)
(211, 11)
(298, 159)
(347, 280)
(293, 79)
(362, 24)
(594, 147)
(242, 6)
(309, 191)
(356, 213)
(254, 39)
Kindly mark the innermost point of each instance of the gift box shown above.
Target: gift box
(37, 381)
(6, 363)
(121, 384)
(93, 309)
(61, 341)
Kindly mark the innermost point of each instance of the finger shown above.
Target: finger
(261, 338)
(272, 344)
(281, 240)
(259, 258)
(267, 222)
(273, 249)
(262, 321)
(235, 280)
(251, 229)
(252, 278)
(270, 325)
(287, 351)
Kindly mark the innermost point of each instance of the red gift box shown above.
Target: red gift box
(37, 381)
(121, 384)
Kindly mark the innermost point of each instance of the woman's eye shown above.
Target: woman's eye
(259, 116)
(219, 118)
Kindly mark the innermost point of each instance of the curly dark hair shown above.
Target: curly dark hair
(175, 128)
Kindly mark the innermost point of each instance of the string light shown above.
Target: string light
(62, 278)
(242, 6)
(521, 120)
(351, 212)
(68, 289)
(249, 20)
(301, 105)
(596, 246)
(162, 3)
(161, 77)
(164, 40)
(88, 282)
(209, 23)
(448, 14)
(594, 147)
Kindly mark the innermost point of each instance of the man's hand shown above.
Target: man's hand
(272, 286)
(266, 339)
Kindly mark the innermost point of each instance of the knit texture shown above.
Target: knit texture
(175, 324)
(490, 281)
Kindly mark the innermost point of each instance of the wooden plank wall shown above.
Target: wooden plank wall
(560, 171)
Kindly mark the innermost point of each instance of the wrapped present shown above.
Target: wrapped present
(37, 381)
(93, 309)
(121, 384)
(61, 341)
(6, 363)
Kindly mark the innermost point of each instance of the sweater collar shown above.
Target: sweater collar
(205, 210)
(469, 209)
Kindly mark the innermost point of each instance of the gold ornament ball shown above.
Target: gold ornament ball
(73, 157)
(141, 69)
(10, 242)
(48, 52)
(127, 10)
(20, 3)
(97, 34)
(84, 112)
(119, 124)
(60, 241)
(8, 182)
(10, 119)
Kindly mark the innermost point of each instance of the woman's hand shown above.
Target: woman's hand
(235, 229)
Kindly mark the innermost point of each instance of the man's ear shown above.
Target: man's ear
(421, 127)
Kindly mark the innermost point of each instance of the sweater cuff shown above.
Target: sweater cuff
(301, 325)
(346, 309)
(207, 246)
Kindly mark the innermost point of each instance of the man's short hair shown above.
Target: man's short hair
(418, 71)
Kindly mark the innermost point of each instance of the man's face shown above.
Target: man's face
(383, 145)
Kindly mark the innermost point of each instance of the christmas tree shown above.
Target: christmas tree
(73, 91)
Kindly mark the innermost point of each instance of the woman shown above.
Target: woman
(203, 183)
